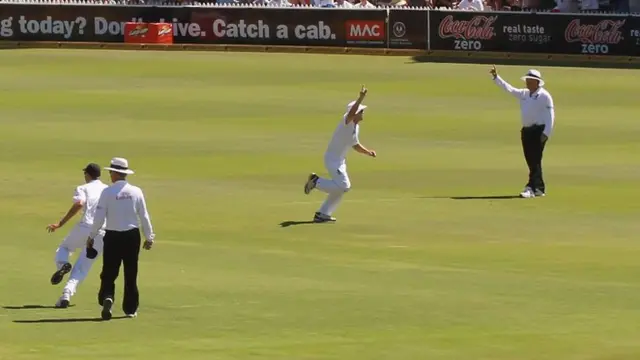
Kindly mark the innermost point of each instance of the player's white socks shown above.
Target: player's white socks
(327, 185)
(331, 203)
(70, 287)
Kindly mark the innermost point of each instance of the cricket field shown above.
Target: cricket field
(429, 259)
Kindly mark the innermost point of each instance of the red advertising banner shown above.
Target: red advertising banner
(365, 32)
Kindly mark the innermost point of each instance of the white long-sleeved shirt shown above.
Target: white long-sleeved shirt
(535, 109)
(344, 138)
(122, 204)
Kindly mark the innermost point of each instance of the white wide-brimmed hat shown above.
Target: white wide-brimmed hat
(119, 165)
(535, 75)
(360, 107)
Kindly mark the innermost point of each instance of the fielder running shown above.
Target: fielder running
(344, 138)
(86, 196)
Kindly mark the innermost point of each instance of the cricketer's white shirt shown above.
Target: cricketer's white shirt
(344, 138)
(122, 204)
(535, 109)
(89, 194)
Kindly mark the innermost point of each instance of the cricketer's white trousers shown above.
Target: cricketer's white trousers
(335, 187)
(77, 239)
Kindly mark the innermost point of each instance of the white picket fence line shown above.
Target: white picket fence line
(273, 5)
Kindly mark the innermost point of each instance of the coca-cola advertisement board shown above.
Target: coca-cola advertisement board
(529, 33)
(465, 31)
(408, 29)
(594, 35)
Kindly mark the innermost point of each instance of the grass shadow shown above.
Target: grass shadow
(27, 307)
(478, 197)
(295, 223)
(489, 197)
(69, 320)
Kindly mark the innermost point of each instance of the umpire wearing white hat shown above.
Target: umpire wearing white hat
(122, 205)
(538, 117)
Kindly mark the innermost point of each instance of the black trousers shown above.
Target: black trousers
(533, 147)
(120, 247)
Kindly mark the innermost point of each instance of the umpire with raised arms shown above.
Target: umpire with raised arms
(122, 205)
(537, 115)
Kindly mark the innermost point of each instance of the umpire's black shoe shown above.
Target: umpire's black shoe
(106, 309)
(57, 276)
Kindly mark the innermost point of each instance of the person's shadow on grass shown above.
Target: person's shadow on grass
(69, 320)
(285, 224)
(295, 223)
(488, 197)
(41, 321)
(477, 197)
(28, 307)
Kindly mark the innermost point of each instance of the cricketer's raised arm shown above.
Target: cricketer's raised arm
(352, 112)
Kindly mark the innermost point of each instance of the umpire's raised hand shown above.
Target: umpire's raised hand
(493, 71)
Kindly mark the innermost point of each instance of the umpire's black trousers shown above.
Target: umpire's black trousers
(120, 247)
(533, 147)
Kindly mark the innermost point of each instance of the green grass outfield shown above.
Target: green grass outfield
(222, 144)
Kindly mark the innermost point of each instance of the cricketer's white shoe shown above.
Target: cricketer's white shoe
(63, 301)
(323, 218)
(539, 193)
(131, 316)
(527, 193)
